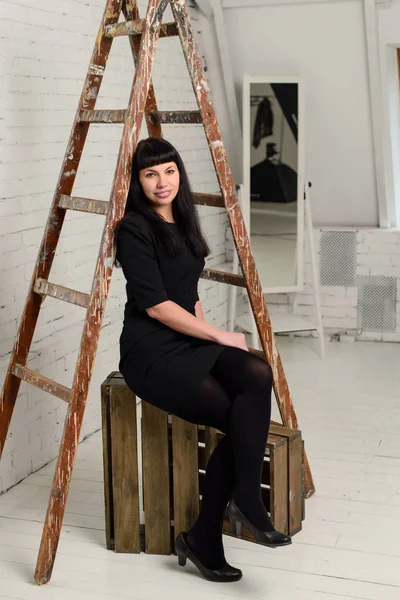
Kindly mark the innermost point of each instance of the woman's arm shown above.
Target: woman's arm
(198, 309)
(176, 317)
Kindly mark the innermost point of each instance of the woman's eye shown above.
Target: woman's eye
(149, 174)
(170, 171)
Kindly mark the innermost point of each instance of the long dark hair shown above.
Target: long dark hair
(156, 151)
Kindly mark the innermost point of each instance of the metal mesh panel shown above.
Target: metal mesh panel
(376, 303)
(338, 258)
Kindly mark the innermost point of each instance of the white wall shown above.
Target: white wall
(44, 54)
(324, 42)
(375, 258)
(389, 41)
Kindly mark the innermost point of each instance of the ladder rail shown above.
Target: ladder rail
(98, 295)
(55, 221)
(131, 12)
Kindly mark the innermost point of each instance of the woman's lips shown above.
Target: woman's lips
(163, 194)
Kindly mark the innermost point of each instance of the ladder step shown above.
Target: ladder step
(209, 200)
(103, 116)
(42, 382)
(100, 207)
(223, 277)
(183, 117)
(136, 28)
(258, 352)
(45, 288)
(97, 207)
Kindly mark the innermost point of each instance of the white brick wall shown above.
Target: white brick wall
(377, 254)
(44, 52)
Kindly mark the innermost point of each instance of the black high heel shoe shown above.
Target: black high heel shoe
(226, 573)
(272, 539)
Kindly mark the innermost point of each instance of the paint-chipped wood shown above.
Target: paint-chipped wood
(138, 102)
(61, 293)
(131, 13)
(100, 207)
(137, 27)
(240, 234)
(96, 207)
(41, 271)
(183, 117)
(103, 116)
(76, 406)
(259, 353)
(215, 200)
(42, 382)
(223, 277)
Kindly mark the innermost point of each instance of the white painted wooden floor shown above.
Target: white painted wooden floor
(349, 410)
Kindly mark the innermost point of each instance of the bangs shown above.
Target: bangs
(154, 151)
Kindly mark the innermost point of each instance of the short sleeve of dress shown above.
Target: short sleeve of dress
(136, 253)
(197, 289)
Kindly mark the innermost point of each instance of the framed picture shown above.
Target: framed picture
(273, 178)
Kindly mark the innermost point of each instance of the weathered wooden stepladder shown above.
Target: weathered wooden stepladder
(143, 37)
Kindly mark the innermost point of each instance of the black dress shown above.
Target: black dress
(159, 364)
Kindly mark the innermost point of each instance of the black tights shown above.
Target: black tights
(236, 399)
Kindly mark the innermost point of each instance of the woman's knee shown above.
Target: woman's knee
(210, 405)
(259, 375)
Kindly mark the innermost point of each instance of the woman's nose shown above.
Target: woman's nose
(161, 182)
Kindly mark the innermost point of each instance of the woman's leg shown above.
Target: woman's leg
(211, 405)
(205, 537)
(250, 378)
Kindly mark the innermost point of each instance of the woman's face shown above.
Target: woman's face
(160, 183)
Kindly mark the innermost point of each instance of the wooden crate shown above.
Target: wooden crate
(169, 472)
(174, 454)
(295, 467)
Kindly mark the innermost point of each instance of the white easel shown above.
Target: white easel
(282, 323)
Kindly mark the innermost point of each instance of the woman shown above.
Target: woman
(173, 359)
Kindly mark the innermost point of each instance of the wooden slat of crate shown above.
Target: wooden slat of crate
(295, 466)
(279, 484)
(185, 468)
(211, 440)
(107, 462)
(156, 481)
(120, 466)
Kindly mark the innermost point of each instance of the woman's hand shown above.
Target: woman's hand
(228, 338)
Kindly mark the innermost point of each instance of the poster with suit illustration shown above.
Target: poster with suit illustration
(273, 155)
(273, 178)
